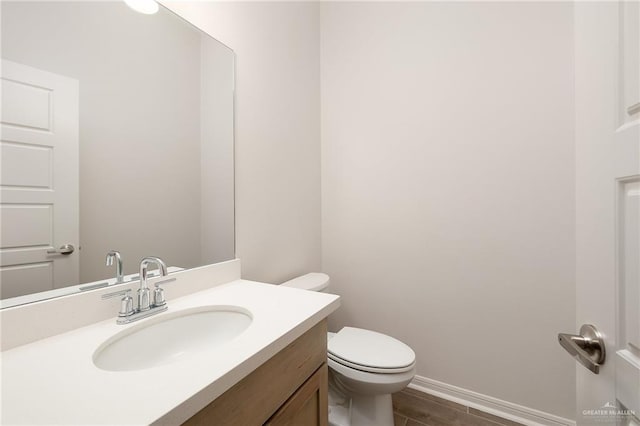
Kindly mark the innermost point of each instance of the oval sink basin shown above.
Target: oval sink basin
(171, 337)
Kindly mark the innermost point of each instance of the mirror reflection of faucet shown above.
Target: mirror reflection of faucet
(114, 254)
(145, 307)
(126, 279)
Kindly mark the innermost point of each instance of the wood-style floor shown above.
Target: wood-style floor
(414, 408)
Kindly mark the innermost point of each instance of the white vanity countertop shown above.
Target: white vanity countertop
(54, 380)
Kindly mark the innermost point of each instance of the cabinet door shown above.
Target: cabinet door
(255, 399)
(308, 406)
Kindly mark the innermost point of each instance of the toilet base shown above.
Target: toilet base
(359, 410)
(371, 410)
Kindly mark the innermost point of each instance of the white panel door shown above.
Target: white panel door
(608, 206)
(39, 186)
(626, 171)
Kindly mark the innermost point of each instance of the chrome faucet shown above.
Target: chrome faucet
(113, 254)
(145, 308)
(144, 301)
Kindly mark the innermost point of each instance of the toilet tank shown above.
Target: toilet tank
(313, 281)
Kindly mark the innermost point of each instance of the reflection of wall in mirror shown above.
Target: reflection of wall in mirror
(140, 110)
(216, 124)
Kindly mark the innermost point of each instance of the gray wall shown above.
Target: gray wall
(448, 187)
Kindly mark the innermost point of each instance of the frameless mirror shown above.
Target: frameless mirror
(117, 134)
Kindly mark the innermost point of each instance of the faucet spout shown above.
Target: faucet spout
(113, 254)
(144, 300)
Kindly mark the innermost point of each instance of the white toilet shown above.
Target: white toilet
(365, 368)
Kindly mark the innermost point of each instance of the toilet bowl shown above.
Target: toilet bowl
(365, 368)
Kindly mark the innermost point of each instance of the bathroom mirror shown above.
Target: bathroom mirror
(117, 134)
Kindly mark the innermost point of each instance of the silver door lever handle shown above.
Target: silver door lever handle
(586, 347)
(65, 249)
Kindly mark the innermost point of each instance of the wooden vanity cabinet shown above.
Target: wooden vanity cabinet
(307, 406)
(289, 389)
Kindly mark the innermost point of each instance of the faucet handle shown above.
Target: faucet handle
(126, 304)
(158, 293)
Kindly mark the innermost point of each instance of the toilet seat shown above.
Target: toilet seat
(369, 369)
(369, 351)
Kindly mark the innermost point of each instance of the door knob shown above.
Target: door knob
(586, 347)
(65, 249)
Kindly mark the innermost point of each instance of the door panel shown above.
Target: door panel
(627, 175)
(308, 405)
(626, 172)
(26, 225)
(39, 184)
(629, 65)
(26, 165)
(629, 231)
(24, 105)
(607, 42)
(26, 277)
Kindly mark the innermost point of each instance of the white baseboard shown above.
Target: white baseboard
(488, 404)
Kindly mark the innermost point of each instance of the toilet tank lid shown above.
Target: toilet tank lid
(313, 281)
